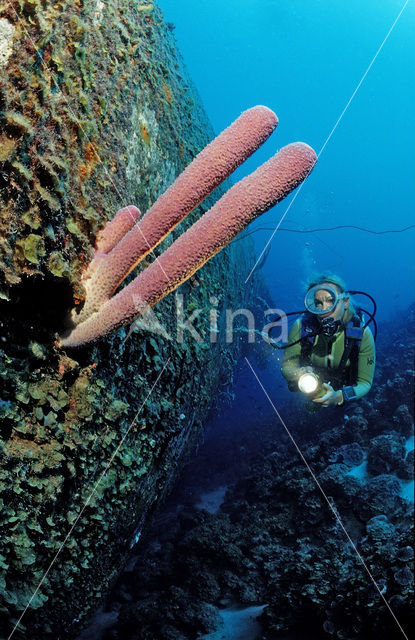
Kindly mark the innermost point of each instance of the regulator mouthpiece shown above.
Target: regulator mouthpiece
(308, 383)
(329, 326)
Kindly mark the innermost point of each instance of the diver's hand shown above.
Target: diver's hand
(330, 398)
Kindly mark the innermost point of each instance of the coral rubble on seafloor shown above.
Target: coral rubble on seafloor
(274, 541)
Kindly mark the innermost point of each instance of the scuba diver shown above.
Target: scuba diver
(330, 355)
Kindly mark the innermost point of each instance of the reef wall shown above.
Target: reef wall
(96, 112)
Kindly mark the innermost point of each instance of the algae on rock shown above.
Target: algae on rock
(96, 112)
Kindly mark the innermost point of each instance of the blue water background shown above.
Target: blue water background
(304, 59)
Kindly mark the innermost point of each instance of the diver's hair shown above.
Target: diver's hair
(339, 282)
(328, 277)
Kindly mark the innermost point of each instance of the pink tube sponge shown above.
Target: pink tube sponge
(210, 167)
(245, 201)
(109, 237)
(116, 229)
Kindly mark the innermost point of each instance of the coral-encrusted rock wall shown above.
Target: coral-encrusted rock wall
(96, 111)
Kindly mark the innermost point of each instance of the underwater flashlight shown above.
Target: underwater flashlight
(309, 383)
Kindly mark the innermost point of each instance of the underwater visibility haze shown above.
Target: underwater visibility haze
(305, 60)
(175, 177)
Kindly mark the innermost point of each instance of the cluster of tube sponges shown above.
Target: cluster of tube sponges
(129, 238)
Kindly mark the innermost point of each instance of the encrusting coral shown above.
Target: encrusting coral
(116, 258)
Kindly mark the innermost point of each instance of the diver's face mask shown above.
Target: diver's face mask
(322, 300)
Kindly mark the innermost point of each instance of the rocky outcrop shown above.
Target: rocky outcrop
(96, 112)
